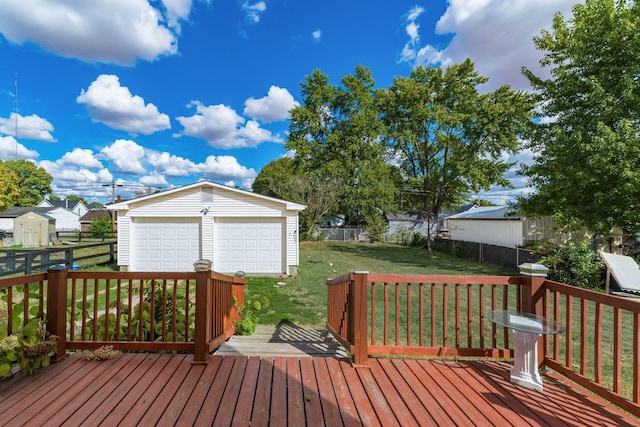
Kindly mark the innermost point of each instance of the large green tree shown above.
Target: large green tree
(9, 190)
(34, 182)
(450, 138)
(335, 135)
(283, 179)
(586, 169)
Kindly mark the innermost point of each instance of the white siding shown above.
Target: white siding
(65, 220)
(124, 242)
(6, 224)
(506, 233)
(292, 238)
(207, 238)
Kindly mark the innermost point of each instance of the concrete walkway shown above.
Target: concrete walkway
(284, 339)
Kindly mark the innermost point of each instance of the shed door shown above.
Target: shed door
(165, 245)
(252, 245)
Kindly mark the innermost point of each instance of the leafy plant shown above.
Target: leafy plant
(574, 264)
(28, 349)
(249, 315)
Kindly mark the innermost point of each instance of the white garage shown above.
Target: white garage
(237, 230)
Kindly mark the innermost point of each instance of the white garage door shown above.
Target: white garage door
(163, 245)
(252, 245)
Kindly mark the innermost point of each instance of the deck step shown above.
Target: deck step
(284, 339)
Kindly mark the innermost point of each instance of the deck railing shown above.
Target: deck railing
(415, 315)
(600, 348)
(133, 311)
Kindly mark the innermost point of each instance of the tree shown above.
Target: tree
(336, 137)
(274, 172)
(586, 170)
(282, 179)
(449, 138)
(101, 227)
(9, 185)
(33, 182)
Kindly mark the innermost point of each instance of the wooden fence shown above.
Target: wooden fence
(14, 261)
(132, 311)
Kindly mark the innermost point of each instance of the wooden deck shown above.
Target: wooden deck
(153, 389)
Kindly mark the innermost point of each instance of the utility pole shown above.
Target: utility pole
(113, 189)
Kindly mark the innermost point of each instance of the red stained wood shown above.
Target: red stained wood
(143, 389)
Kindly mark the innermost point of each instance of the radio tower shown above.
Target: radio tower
(16, 82)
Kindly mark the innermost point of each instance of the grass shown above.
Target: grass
(303, 299)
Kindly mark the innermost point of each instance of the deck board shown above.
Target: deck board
(146, 389)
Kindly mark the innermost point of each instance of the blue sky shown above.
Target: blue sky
(160, 93)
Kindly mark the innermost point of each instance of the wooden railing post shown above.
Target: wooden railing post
(533, 276)
(358, 309)
(203, 320)
(57, 308)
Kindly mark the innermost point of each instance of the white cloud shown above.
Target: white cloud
(225, 168)
(222, 127)
(176, 11)
(275, 106)
(155, 179)
(63, 174)
(29, 127)
(126, 155)
(316, 35)
(171, 165)
(108, 31)
(112, 104)
(10, 149)
(253, 11)
(81, 157)
(496, 34)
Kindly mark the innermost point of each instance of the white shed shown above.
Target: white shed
(237, 230)
(497, 225)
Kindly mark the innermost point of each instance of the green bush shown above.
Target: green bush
(249, 315)
(574, 264)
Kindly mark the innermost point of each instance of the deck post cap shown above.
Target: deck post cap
(532, 269)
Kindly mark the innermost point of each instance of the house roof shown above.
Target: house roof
(487, 213)
(15, 212)
(408, 216)
(126, 204)
(95, 214)
(66, 204)
(40, 214)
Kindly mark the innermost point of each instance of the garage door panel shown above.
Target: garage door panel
(165, 245)
(252, 245)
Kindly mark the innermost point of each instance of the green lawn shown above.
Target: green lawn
(303, 299)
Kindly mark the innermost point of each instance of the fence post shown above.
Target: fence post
(533, 276)
(203, 320)
(358, 310)
(57, 308)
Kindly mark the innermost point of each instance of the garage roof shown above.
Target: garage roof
(126, 204)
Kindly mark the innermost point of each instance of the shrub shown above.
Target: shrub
(574, 264)
(249, 315)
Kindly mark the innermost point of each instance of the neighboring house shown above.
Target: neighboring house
(65, 220)
(93, 214)
(75, 206)
(34, 229)
(411, 222)
(498, 225)
(237, 230)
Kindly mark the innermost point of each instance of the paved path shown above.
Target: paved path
(284, 339)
